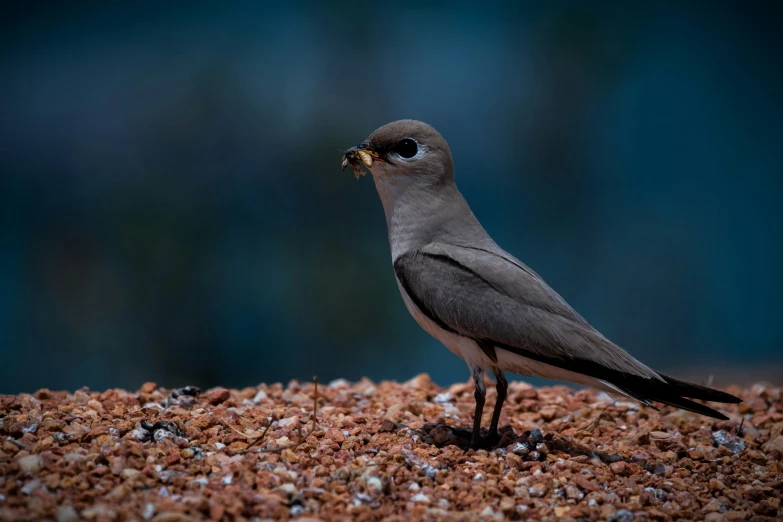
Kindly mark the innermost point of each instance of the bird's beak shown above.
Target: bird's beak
(364, 153)
(360, 154)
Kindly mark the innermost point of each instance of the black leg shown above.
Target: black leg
(502, 387)
(479, 394)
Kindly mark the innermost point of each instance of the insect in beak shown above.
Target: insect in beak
(358, 156)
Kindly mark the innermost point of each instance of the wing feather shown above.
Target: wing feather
(497, 301)
(480, 296)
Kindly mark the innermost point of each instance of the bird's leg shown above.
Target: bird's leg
(479, 394)
(502, 387)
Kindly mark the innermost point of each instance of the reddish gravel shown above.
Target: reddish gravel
(168, 455)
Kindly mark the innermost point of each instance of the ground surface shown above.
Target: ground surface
(164, 456)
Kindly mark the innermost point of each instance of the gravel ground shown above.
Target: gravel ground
(382, 451)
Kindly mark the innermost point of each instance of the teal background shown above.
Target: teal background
(172, 207)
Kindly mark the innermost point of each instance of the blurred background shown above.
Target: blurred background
(172, 207)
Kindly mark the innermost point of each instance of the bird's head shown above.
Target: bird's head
(404, 148)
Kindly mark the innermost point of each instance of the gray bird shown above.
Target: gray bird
(484, 304)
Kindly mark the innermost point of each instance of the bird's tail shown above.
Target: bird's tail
(675, 392)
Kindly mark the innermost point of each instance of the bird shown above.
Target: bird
(482, 303)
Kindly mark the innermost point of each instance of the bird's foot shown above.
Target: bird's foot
(486, 441)
(465, 438)
(459, 432)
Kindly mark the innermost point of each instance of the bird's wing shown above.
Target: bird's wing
(483, 296)
(498, 302)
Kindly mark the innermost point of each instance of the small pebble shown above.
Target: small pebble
(218, 396)
(66, 514)
(31, 464)
(30, 487)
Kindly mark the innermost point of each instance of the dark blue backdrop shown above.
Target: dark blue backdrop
(172, 209)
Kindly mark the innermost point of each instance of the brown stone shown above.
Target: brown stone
(335, 435)
(218, 396)
(621, 468)
(387, 426)
(775, 444)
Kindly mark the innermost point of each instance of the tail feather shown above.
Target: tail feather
(674, 392)
(697, 391)
(666, 390)
(687, 404)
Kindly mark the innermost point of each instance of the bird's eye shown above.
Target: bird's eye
(406, 148)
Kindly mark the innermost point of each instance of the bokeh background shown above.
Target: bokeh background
(172, 207)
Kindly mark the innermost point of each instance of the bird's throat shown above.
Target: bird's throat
(418, 213)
